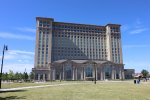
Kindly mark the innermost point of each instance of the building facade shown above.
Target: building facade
(129, 73)
(77, 49)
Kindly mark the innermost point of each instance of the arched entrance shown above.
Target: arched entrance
(89, 70)
(108, 70)
(68, 71)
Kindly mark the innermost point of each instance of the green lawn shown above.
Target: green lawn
(84, 91)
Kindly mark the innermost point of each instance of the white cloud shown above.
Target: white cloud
(7, 57)
(26, 29)
(137, 31)
(137, 28)
(17, 67)
(19, 56)
(20, 52)
(18, 61)
(125, 27)
(138, 23)
(135, 46)
(15, 36)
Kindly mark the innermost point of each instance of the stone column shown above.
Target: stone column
(76, 74)
(112, 74)
(115, 74)
(48, 76)
(73, 73)
(43, 77)
(39, 76)
(54, 74)
(81, 73)
(96, 72)
(63, 74)
(120, 74)
(104, 74)
(84, 74)
(101, 74)
(93, 75)
(51, 74)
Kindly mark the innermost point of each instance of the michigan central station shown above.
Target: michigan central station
(71, 51)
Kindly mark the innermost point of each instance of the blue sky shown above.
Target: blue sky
(17, 28)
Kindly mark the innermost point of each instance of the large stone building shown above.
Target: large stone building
(71, 51)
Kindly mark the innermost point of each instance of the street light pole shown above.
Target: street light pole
(4, 49)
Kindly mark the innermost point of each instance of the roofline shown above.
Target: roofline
(103, 26)
(113, 25)
(80, 24)
(44, 18)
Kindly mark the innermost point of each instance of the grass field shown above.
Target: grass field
(82, 91)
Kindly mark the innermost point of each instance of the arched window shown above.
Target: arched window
(68, 71)
(108, 70)
(89, 70)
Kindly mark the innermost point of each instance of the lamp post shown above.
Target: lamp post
(5, 48)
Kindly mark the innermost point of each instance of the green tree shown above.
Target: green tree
(18, 76)
(145, 72)
(31, 75)
(11, 75)
(5, 76)
(21, 75)
(25, 75)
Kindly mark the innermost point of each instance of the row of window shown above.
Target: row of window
(116, 59)
(81, 31)
(42, 60)
(79, 41)
(71, 40)
(81, 34)
(66, 48)
(115, 29)
(44, 30)
(75, 36)
(44, 23)
(42, 63)
(115, 37)
(67, 27)
(79, 53)
(59, 57)
(81, 46)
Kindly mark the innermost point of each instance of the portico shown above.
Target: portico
(83, 69)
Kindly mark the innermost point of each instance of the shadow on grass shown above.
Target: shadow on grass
(12, 97)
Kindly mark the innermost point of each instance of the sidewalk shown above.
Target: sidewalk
(31, 87)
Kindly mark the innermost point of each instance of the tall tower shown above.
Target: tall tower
(113, 43)
(43, 48)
